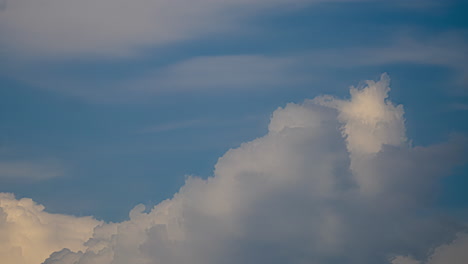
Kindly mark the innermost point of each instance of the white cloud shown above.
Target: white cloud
(306, 192)
(28, 234)
(370, 119)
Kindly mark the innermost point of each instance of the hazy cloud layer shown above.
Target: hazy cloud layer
(121, 28)
(239, 72)
(200, 74)
(333, 181)
(118, 28)
(247, 72)
(448, 50)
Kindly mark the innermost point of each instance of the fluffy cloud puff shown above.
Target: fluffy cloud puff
(333, 181)
(28, 234)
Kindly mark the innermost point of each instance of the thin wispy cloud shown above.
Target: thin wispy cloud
(459, 106)
(173, 126)
(221, 73)
(200, 123)
(197, 75)
(212, 75)
(31, 170)
(446, 50)
(119, 28)
(63, 29)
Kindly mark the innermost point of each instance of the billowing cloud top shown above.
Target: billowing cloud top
(333, 181)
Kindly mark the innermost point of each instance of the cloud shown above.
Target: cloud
(118, 28)
(173, 126)
(201, 122)
(454, 252)
(243, 72)
(370, 120)
(404, 260)
(309, 191)
(238, 72)
(31, 170)
(28, 234)
(247, 72)
(204, 74)
(64, 28)
(459, 107)
(447, 49)
(83, 29)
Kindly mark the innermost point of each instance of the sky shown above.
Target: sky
(209, 131)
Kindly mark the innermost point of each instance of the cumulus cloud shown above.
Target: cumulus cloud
(333, 181)
(370, 120)
(28, 234)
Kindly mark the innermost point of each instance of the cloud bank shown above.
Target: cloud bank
(333, 181)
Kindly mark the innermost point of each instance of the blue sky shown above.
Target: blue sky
(106, 105)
